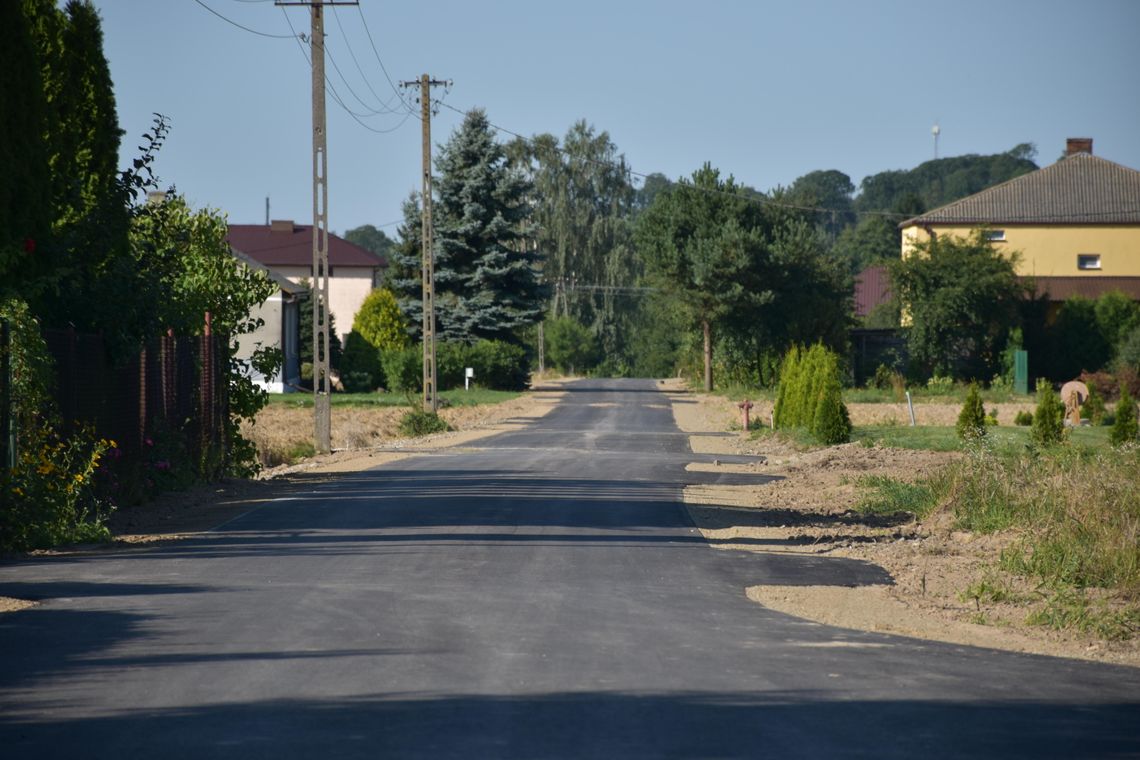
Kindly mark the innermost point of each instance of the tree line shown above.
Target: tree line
(699, 274)
(88, 246)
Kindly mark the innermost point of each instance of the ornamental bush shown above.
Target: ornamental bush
(810, 395)
(972, 418)
(1124, 427)
(1048, 419)
(49, 496)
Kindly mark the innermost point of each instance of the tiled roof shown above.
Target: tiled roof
(1079, 189)
(286, 244)
(1089, 286)
(872, 287)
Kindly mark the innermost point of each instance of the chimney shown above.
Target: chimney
(282, 225)
(1075, 145)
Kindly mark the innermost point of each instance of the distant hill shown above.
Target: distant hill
(941, 181)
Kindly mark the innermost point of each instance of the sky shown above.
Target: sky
(765, 91)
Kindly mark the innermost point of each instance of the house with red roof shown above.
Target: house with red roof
(286, 249)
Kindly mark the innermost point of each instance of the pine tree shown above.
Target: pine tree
(486, 279)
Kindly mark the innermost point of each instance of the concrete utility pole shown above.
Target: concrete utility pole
(322, 411)
(431, 400)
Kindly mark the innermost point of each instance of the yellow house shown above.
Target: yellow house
(1076, 224)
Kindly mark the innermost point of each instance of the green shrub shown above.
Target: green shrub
(940, 385)
(831, 424)
(499, 365)
(380, 322)
(418, 422)
(451, 359)
(1048, 419)
(1023, 418)
(403, 370)
(362, 360)
(49, 496)
(972, 418)
(809, 395)
(570, 346)
(1093, 408)
(1124, 427)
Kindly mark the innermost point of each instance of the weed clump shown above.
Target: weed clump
(418, 423)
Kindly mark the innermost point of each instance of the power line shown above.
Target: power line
(383, 68)
(336, 96)
(384, 104)
(246, 28)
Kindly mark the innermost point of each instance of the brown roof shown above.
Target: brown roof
(288, 244)
(1089, 286)
(872, 287)
(1078, 189)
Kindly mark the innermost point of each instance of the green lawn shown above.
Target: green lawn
(459, 397)
(945, 438)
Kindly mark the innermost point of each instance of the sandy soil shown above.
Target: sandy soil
(809, 509)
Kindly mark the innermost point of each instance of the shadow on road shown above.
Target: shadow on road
(591, 724)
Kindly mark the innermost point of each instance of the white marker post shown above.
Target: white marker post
(470, 373)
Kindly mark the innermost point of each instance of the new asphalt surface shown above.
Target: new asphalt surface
(541, 596)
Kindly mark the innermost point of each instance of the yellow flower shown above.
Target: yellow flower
(78, 478)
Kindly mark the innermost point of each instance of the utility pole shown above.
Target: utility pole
(430, 377)
(322, 411)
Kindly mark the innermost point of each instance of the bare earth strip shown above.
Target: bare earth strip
(809, 509)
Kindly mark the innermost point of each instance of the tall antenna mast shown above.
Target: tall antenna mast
(935, 131)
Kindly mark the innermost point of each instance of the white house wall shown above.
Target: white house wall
(268, 335)
(348, 287)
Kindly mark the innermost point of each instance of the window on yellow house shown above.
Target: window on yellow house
(995, 236)
(1088, 261)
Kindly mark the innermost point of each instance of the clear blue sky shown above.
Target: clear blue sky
(765, 91)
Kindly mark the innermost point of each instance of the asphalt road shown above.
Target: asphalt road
(543, 596)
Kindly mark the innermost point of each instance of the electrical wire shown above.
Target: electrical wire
(385, 105)
(380, 61)
(246, 28)
(333, 92)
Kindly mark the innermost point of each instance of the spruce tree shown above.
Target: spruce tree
(486, 279)
(405, 266)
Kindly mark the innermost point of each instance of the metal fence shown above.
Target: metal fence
(175, 387)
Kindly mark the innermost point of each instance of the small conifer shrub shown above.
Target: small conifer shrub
(972, 418)
(1048, 425)
(1124, 427)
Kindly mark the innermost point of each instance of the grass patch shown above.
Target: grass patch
(945, 437)
(458, 397)
(887, 496)
(1072, 609)
(289, 452)
(954, 395)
